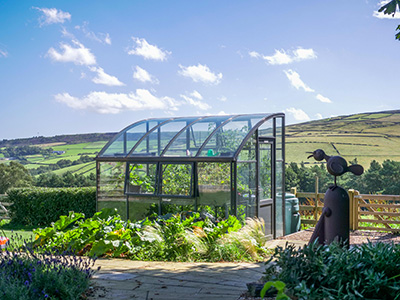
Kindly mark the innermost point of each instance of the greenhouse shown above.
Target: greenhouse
(217, 165)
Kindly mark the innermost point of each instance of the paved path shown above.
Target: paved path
(121, 279)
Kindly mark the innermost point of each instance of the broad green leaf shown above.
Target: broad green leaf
(390, 8)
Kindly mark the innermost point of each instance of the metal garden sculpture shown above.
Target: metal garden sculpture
(334, 223)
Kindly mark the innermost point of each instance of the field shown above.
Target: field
(365, 137)
(71, 152)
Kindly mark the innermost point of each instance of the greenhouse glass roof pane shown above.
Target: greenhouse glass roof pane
(127, 138)
(200, 136)
(156, 141)
(190, 140)
(226, 139)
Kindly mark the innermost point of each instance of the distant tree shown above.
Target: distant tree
(13, 175)
(390, 8)
(390, 177)
(66, 180)
(372, 179)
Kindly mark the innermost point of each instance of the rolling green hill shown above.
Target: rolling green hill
(365, 136)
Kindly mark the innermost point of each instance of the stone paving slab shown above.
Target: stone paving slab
(121, 279)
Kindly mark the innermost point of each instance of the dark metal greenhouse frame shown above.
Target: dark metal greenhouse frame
(129, 154)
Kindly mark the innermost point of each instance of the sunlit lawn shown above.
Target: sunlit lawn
(16, 232)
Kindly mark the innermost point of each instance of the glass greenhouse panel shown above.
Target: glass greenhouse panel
(110, 189)
(246, 190)
(214, 183)
(143, 207)
(111, 180)
(266, 129)
(176, 179)
(248, 152)
(226, 139)
(141, 178)
(279, 140)
(189, 141)
(279, 197)
(157, 140)
(127, 139)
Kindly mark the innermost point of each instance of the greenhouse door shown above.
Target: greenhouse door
(266, 184)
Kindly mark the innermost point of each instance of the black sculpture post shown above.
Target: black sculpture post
(334, 224)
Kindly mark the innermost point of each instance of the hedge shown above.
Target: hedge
(42, 206)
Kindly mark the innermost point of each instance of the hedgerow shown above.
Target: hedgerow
(42, 206)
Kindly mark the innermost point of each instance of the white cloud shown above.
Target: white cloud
(279, 58)
(223, 99)
(103, 38)
(196, 95)
(52, 16)
(318, 116)
(143, 76)
(196, 103)
(381, 15)
(254, 54)
(298, 114)
(79, 55)
(200, 73)
(323, 99)
(3, 53)
(66, 33)
(282, 57)
(295, 80)
(147, 51)
(104, 78)
(107, 39)
(113, 103)
(303, 54)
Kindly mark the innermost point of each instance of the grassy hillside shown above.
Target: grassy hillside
(72, 152)
(366, 136)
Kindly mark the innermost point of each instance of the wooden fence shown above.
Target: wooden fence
(367, 212)
(4, 207)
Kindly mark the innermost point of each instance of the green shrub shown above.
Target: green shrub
(176, 238)
(42, 206)
(25, 275)
(334, 272)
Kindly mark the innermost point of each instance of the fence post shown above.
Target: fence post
(293, 191)
(355, 209)
(351, 203)
(316, 199)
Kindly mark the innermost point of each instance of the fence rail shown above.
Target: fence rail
(367, 212)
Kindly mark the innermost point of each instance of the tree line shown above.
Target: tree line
(15, 174)
(20, 151)
(377, 179)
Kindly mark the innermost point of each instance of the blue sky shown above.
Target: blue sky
(97, 66)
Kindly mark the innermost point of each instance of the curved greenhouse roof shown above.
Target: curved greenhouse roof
(188, 137)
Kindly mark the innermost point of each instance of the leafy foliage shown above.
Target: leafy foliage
(66, 180)
(335, 272)
(175, 238)
(377, 179)
(13, 175)
(41, 206)
(28, 275)
(20, 151)
(390, 8)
